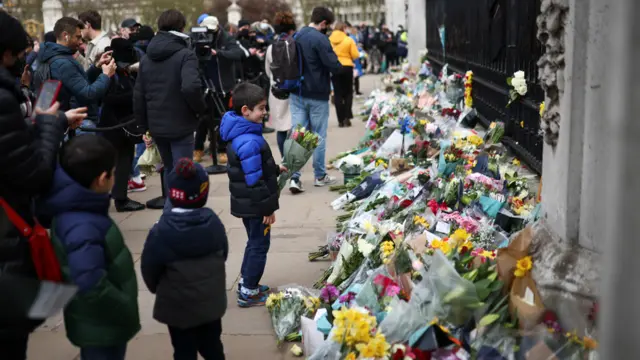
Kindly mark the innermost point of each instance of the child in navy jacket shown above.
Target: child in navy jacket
(183, 263)
(253, 185)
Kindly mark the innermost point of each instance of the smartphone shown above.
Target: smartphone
(48, 94)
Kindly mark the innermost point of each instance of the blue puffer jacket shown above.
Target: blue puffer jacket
(253, 173)
(79, 88)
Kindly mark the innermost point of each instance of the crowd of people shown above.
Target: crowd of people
(61, 166)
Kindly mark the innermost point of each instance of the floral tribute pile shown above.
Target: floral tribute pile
(430, 257)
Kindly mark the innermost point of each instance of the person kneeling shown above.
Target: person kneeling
(183, 263)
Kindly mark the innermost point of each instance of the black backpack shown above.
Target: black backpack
(42, 74)
(286, 66)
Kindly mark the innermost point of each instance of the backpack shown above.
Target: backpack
(286, 66)
(43, 73)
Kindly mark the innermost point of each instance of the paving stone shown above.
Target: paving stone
(47, 345)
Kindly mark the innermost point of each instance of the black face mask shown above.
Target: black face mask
(18, 67)
(243, 33)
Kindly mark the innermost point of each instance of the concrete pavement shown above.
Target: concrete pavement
(301, 225)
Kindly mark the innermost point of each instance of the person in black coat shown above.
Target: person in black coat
(117, 108)
(168, 96)
(27, 163)
(183, 263)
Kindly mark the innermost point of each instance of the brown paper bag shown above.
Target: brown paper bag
(525, 302)
(418, 243)
(540, 352)
(508, 257)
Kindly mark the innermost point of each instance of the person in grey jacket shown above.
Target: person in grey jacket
(183, 263)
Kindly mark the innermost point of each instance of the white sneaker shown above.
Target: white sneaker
(325, 180)
(295, 186)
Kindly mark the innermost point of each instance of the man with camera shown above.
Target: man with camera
(219, 69)
(168, 96)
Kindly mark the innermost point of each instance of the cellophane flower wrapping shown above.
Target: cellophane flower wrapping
(369, 295)
(452, 298)
(298, 149)
(402, 320)
(149, 161)
(287, 306)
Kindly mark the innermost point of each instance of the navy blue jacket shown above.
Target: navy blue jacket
(81, 224)
(79, 88)
(253, 174)
(319, 61)
(183, 263)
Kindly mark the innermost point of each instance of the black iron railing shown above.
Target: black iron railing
(494, 39)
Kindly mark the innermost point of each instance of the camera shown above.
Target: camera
(201, 40)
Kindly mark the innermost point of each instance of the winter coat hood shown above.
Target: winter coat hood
(66, 195)
(234, 125)
(165, 44)
(49, 50)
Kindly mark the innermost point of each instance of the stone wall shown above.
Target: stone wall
(416, 30)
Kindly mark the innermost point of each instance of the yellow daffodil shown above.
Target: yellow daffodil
(522, 124)
(273, 300)
(516, 162)
(488, 254)
(475, 140)
(419, 220)
(542, 108)
(377, 347)
(352, 326)
(381, 162)
(368, 226)
(350, 356)
(523, 266)
(436, 243)
(467, 244)
(445, 247)
(422, 122)
(461, 234)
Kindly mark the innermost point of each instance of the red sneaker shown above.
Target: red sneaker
(136, 186)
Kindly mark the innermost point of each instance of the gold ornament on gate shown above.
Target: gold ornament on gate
(33, 28)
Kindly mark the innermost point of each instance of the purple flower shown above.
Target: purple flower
(347, 298)
(329, 293)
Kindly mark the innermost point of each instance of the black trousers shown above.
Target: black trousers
(204, 128)
(14, 348)
(124, 161)
(356, 84)
(343, 93)
(204, 339)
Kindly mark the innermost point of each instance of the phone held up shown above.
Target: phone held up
(47, 96)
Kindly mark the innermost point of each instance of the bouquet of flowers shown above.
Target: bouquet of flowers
(298, 149)
(286, 307)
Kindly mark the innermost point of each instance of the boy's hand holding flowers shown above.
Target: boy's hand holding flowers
(283, 169)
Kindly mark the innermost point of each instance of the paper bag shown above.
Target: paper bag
(399, 165)
(312, 339)
(540, 352)
(508, 257)
(525, 302)
(418, 243)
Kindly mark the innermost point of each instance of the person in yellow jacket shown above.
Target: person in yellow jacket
(347, 51)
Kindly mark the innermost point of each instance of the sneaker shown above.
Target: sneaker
(135, 186)
(267, 130)
(325, 180)
(347, 123)
(295, 186)
(263, 289)
(143, 176)
(246, 301)
(197, 155)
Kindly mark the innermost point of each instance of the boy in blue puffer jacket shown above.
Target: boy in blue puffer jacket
(253, 185)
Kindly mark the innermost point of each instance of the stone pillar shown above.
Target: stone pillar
(562, 164)
(416, 30)
(51, 12)
(620, 288)
(234, 13)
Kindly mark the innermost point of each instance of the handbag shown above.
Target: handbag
(43, 255)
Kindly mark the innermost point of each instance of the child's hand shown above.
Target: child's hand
(283, 169)
(269, 220)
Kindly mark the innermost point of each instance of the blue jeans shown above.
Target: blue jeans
(255, 254)
(103, 353)
(281, 136)
(313, 115)
(87, 124)
(140, 148)
(172, 150)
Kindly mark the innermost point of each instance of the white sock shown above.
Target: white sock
(248, 292)
(137, 179)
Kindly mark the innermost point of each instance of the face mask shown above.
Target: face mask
(18, 67)
(243, 33)
(264, 26)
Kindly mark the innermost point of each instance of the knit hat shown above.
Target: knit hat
(188, 185)
(243, 22)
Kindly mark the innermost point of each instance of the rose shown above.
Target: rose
(518, 74)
